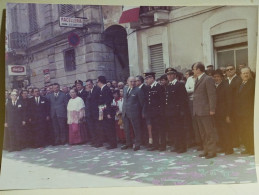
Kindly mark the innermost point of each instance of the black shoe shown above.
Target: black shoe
(228, 152)
(173, 150)
(181, 151)
(203, 155)
(200, 148)
(126, 147)
(210, 156)
(98, 145)
(136, 148)
(111, 147)
(162, 149)
(152, 149)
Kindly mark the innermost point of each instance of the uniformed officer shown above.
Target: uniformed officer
(175, 108)
(152, 110)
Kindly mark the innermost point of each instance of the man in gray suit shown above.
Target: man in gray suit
(204, 104)
(133, 100)
(58, 111)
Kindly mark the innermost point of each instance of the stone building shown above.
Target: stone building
(53, 53)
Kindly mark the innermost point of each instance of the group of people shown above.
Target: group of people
(211, 112)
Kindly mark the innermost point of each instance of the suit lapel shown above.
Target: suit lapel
(199, 81)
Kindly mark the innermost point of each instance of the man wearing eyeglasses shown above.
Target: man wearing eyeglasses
(233, 82)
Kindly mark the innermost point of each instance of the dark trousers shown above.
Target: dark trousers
(208, 133)
(235, 135)
(136, 124)
(6, 145)
(224, 133)
(246, 131)
(40, 131)
(189, 124)
(158, 133)
(178, 132)
(108, 129)
(92, 125)
(60, 130)
(144, 132)
(49, 136)
(163, 130)
(14, 134)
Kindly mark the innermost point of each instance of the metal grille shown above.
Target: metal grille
(33, 18)
(18, 40)
(70, 61)
(66, 9)
(156, 59)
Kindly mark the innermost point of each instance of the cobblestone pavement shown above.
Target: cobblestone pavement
(99, 167)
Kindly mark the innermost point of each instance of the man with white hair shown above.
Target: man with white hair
(245, 110)
(14, 120)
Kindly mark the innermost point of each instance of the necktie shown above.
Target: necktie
(241, 87)
(13, 103)
(129, 90)
(38, 100)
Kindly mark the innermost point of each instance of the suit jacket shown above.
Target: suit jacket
(14, 115)
(145, 89)
(222, 102)
(204, 96)
(58, 106)
(176, 99)
(83, 94)
(91, 103)
(133, 103)
(39, 112)
(245, 100)
(233, 88)
(26, 108)
(105, 98)
(153, 101)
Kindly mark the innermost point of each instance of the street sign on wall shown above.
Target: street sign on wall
(71, 22)
(16, 70)
(73, 39)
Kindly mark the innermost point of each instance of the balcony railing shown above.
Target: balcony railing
(18, 40)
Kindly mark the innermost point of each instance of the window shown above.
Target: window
(70, 61)
(32, 18)
(234, 56)
(156, 59)
(231, 48)
(65, 9)
(14, 19)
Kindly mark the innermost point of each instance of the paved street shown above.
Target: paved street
(84, 166)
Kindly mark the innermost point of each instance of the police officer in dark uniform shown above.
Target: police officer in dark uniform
(152, 110)
(175, 108)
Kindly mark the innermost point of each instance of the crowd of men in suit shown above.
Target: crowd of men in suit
(213, 112)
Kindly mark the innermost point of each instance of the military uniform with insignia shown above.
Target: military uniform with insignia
(153, 110)
(175, 108)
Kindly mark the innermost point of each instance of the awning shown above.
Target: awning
(129, 14)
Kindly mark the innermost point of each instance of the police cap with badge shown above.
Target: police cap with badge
(170, 71)
(79, 82)
(149, 74)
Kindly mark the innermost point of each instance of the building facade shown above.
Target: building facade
(54, 53)
(179, 36)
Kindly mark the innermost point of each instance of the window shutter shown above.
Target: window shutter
(231, 38)
(156, 59)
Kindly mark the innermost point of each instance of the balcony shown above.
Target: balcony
(18, 41)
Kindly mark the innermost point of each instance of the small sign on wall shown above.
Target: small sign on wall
(14, 70)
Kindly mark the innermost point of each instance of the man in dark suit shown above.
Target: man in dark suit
(39, 116)
(58, 110)
(222, 126)
(176, 102)
(92, 111)
(233, 81)
(132, 111)
(245, 110)
(82, 93)
(152, 111)
(81, 90)
(106, 114)
(204, 106)
(14, 121)
(146, 132)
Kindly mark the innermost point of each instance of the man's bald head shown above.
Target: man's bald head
(132, 81)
